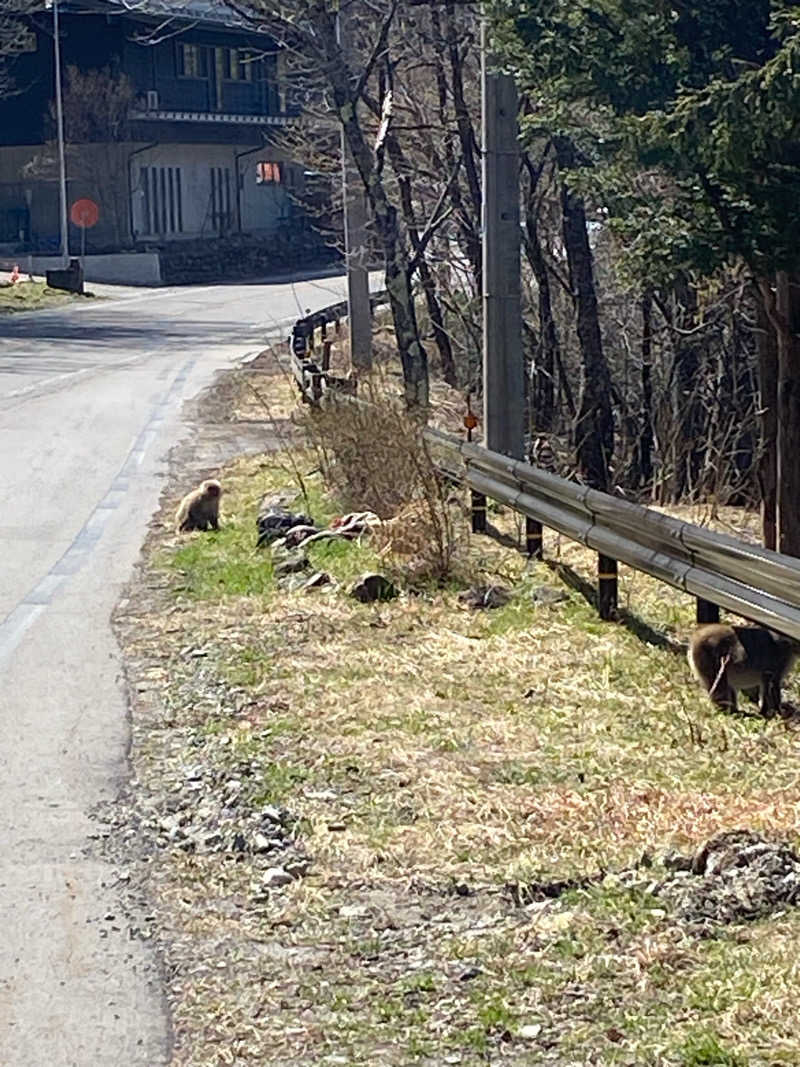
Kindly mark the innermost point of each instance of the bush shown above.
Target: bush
(373, 457)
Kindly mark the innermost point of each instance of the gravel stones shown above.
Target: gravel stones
(210, 812)
(734, 876)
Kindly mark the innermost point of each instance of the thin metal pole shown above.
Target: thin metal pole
(503, 373)
(62, 164)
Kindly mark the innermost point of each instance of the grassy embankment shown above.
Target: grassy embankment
(431, 756)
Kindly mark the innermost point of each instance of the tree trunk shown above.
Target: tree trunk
(768, 414)
(468, 221)
(547, 350)
(440, 333)
(594, 426)
(645, 458)
(690, 447)
(413, 357)
(787, 314)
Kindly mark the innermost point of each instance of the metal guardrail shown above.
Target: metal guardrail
(309, 355)
(720, 571)
(754, 582)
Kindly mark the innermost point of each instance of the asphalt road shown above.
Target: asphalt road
(90, 402)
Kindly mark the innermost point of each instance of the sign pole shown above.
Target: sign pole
(62, 165)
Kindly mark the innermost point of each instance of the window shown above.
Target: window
(163, 199)
(268, 173)
(238, 65)
(192, 61)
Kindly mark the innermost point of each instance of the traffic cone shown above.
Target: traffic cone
(15, 274)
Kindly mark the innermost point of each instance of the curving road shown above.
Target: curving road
(90, 402)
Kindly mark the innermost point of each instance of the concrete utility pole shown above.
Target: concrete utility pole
(503, 365)
(62, 166)
(355, 237)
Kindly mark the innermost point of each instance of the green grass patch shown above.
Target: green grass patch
(222, 563)
(33, 296)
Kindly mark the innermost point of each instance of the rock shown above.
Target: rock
(736, 875)
(355, 524)
(372, 587)
(485, 596)
(261, 843)
(269, 813)
(723, 850)
(282, 498)
(292, 583)
(276, 876)
(673, 860)
(276, 521)
(318, 580)
(530, 1031)
(334, 826)
(469, 974)
(548, 594)
(298, 534)
(293, 564)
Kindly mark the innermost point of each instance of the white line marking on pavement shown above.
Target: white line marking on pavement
(19, 620)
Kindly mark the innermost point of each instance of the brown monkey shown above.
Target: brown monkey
(727, 658)
(199, 510)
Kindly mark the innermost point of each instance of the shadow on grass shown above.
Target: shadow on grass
(637, 626)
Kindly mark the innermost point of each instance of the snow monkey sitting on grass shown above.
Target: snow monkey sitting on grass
(199, 510)
(727, 658)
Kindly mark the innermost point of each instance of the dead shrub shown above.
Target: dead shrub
(373, 457)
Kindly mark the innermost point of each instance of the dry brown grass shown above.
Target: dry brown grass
(424, 746)
(372, 457)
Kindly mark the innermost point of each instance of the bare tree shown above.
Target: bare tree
(16, 37)
(97, 105)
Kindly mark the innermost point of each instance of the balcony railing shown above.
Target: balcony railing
(211, 117)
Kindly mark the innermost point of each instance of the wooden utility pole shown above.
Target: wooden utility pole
(355, 236)
(503, 370)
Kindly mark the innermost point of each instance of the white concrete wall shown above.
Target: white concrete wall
(262, 205)
(123, 268)
(195, 162)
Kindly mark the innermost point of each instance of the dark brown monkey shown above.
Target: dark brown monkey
(199, 510)
(727, 658)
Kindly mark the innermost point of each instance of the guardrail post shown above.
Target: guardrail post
(533, 539)
(478, 512)
(606, 587)
(706, 611)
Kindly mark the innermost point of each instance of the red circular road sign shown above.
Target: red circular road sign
(85, 213)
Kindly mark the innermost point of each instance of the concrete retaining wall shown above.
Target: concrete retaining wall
(122, 268)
